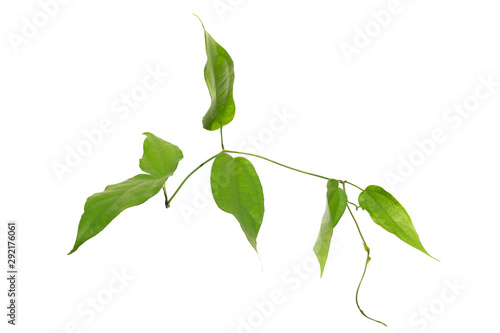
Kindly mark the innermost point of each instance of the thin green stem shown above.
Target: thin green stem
(357, 291)
(345, 181)
(352, 203)
(283, 165)
(367, 249)
(221, 138)
(187, 177)
(167, 204)
(357, 226)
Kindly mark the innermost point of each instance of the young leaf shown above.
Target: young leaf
(336, 200)
(160, 157)
(101, 208)
(388, 213)
(237, 190)
(219, 76)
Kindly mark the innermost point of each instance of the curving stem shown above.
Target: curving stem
(368, 259)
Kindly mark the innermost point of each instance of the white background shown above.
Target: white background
(195, 271)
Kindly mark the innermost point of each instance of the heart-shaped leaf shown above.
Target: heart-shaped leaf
(388, 213)
(336, 203)
(237, 190)
(219, 76)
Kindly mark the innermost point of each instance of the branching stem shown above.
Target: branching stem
(343, 182)
(187, 177)
(352, 203)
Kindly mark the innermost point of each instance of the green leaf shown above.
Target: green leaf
(237, 190)
(336, 200)
(388, 213)
(160, 157)
(101, 208)
(219, 76)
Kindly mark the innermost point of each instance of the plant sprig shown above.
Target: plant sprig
(235, 185)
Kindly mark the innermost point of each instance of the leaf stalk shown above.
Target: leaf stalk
(167, 203)
(221, 139)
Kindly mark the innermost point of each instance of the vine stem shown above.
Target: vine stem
(167, 201)
(280, 164)
(359, 188)
(352, 203)
(368, 259)
(187, 177)
(221, 139)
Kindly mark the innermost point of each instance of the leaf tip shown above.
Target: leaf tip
(200, 20)
(423, 250)
(73, 250)
(321, 264)
(433, 257)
